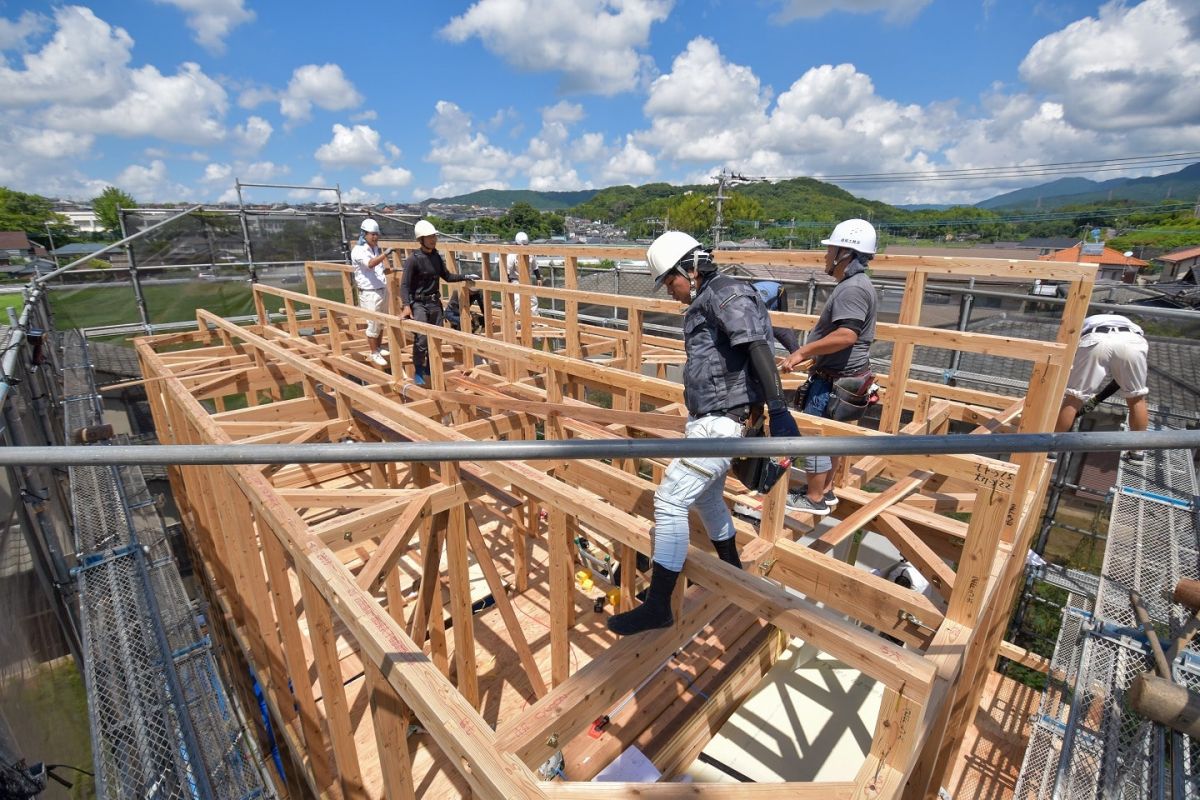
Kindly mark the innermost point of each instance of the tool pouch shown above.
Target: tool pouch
(758, 474)
(850, 397)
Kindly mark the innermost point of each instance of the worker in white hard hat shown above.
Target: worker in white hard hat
(370, 266)
(420, 292)
(837, 354)
(729, 375)
(513, 272)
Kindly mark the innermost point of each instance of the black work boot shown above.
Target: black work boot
(727, 550)
(655, 612)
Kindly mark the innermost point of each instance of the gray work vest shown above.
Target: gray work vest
(724, 318)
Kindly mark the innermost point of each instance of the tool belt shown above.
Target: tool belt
(739, 414)
(850, 394)
(758, 474)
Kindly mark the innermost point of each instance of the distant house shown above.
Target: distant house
(1178, 264)
(70, 252)
(1114, 266)
(15, 246)
(84, 220)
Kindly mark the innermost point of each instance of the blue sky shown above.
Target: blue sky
(174, 99)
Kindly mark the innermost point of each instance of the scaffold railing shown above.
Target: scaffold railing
(162, 724)
(1086, 740)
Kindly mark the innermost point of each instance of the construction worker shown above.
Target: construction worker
(839, 349)
(454, 312)
(513, 265)
(774, 299)
(369, 268)
(420, 292)
(730, 372)
(1110, 346)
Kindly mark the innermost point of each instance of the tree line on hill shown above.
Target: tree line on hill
(790, 213)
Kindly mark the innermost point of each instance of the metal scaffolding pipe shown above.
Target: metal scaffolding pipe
(375, 452)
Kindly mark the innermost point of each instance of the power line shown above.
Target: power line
(1014, 170)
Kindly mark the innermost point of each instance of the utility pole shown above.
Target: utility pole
(723, 178)
(1196, 210)
(718, 225)
(50, 237)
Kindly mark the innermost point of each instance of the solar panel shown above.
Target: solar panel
(1092, 249)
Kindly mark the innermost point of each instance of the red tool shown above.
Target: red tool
(597, 729)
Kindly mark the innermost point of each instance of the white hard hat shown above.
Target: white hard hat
(424, 228)
(521, 238)
(856, 234)
(665, 253)
(369, 226)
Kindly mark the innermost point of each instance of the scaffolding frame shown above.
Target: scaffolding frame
(1086, 742)
(162, 723)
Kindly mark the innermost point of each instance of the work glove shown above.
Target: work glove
(780, 420)
(470, 277)
(1090, 405)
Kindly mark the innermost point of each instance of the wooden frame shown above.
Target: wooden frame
(348, 587)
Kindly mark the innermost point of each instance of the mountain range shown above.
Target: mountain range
(785, 198)
(1183, 185)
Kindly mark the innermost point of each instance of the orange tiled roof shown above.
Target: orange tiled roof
(1180, 255)
(1109, 256)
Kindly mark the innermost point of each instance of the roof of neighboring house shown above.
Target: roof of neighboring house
(1107, 256)
(1180, 255)
(79, 248)
(17, 240)
(13, 240)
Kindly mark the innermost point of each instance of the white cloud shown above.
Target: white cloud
(307, 195)
(217, 173)
(631, 165)
(212, 20)
(563, 111)
(588, 147)
(364, 116)
(359, 196)
(1127, 68)
(895, 10)
(49, 144)
(84, 62)
(150, 183)
(253, 134)
(356, 146)
(596, 44)
(705, 108)
(388, 176)
(185, 107)
(324, 86)
(466, 159)
(15, 35)
(80, 81)
(254, 96)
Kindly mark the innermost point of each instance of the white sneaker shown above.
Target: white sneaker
(378, 359)
(383, 351)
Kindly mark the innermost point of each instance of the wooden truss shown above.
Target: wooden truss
(351, 589)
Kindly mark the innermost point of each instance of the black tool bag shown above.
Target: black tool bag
(850, 397)
(758, 474)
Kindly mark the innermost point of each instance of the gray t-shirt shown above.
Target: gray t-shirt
(852, 300)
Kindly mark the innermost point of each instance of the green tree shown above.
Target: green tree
(28, 213)
(106, 204)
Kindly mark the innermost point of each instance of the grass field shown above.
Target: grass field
(92, 306)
